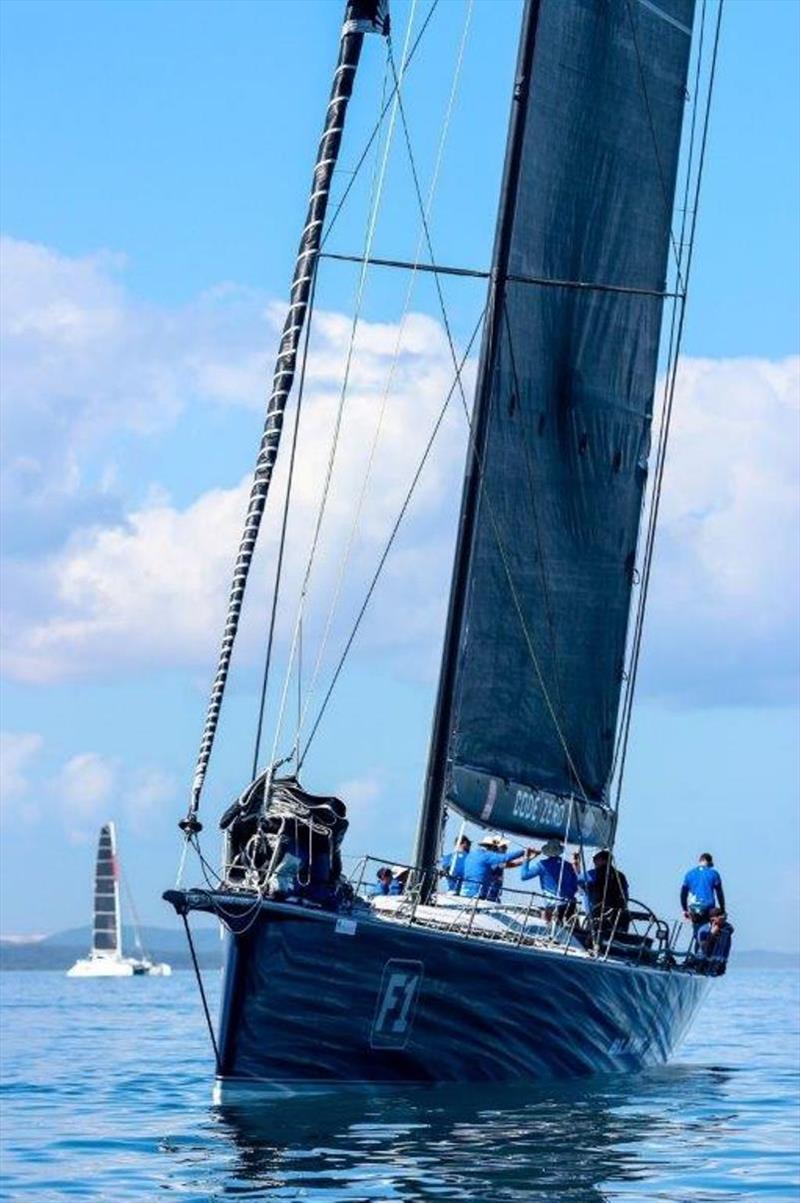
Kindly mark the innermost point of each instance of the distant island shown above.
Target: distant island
(60, 950)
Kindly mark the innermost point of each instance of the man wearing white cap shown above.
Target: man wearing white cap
(481, 863)
(557, 878)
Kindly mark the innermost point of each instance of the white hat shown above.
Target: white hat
(552, 848)
(493, 841)
(400, 870)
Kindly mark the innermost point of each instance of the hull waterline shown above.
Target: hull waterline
(313, 1002)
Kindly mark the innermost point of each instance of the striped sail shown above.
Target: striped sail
(106, 935)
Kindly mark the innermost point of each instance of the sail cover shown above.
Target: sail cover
(106, 936)
(569, 390)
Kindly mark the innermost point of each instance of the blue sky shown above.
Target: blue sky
(155, 167)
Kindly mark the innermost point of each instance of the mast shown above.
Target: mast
(360, 17)
(432, 809)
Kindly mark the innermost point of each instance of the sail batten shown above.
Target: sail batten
(563, 416)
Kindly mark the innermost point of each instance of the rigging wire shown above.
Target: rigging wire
(668, 407)
(137, 930)
(360, 292)
(475, 452)
(376, 129)
(659, 165)
(284, 524)
(392, 535)
(391, 375)
(627, 698)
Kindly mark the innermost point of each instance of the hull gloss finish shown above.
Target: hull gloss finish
(313, 1000)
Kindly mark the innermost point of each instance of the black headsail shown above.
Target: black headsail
(534, 650)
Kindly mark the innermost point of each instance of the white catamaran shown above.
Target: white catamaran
(106, 958)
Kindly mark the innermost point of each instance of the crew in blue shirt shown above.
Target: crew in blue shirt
(453, 865)
(714, 942)
(557, 878)
(479, 864)
(383, 881)
(701, 890)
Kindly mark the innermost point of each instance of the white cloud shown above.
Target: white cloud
(18, 753)
(151, 590)
(146, 794)
(84, 365)
(723, 621)
(85, 786)
(144, 587)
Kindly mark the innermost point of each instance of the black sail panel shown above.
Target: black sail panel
(569, 391)
(106, 935)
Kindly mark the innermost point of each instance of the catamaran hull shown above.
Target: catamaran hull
(312, 1002)
(117, 967)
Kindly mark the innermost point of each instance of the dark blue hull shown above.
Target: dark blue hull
(314, 1000)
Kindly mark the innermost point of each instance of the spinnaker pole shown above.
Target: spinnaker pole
(361, 17)
(429, 828)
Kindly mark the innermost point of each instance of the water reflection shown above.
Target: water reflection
(580, 1143)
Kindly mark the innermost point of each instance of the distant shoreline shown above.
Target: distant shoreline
(60, 950)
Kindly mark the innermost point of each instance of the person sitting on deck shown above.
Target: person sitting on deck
(453, 865)
(714, 942)
(399, 877)
(606, 891)
(701, 892)
(479, 864)
(557, 879)
(384, 881)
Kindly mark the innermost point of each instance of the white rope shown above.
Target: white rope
(342, 399)
(345, 560)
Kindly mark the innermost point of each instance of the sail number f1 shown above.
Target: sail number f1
(396, 1004)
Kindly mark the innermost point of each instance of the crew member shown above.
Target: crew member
(453, 865)
(701, 890)
(714, 942)
(479, 864)
(606, 890)
(384, 880)
(557, 878)
(399, 878)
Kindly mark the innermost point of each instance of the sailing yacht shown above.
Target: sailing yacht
(105, 957)
(328, 980)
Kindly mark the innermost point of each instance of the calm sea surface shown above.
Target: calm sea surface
(106, 1095)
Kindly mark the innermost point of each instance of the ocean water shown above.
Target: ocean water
(106, 1095)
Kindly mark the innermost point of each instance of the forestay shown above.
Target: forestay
(566, 383)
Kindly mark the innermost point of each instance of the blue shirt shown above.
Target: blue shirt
(453, 865)
(548, 870)
(702, 886)
(478, 866)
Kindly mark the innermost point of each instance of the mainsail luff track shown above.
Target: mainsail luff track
(361, 16)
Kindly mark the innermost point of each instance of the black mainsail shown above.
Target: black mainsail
(535, 646)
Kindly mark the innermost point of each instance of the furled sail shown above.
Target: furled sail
(106, 937)
(561, 433)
